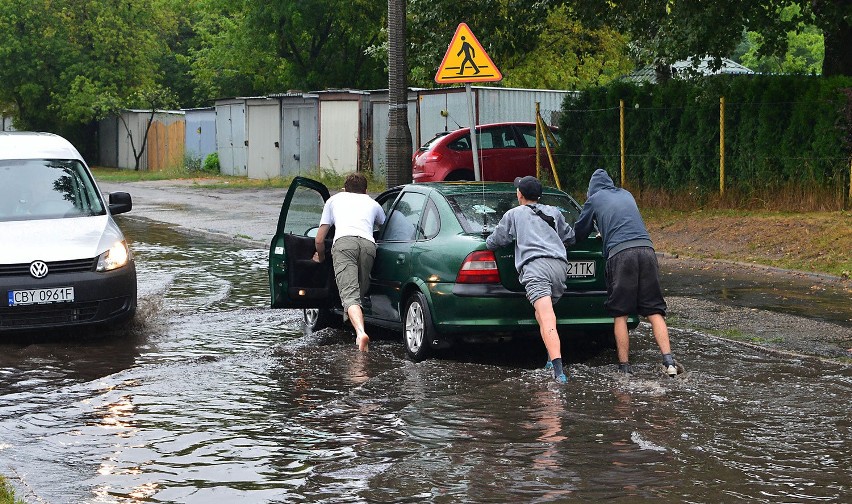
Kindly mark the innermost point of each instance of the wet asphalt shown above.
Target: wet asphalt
(779, 310)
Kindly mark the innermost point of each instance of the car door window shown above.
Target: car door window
(305, 211)
(527, 134)
(431, 220)
(404, 220)
(500, 137)
(460, 144)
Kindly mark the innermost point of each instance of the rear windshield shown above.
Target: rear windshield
(428, 145)
(476, 211)
(46, 189)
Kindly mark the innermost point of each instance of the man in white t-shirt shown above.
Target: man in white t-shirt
(354, 215)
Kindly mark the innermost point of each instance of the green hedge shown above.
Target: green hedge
(780, 131)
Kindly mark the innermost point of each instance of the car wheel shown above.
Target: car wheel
(418, 331)
(320, 318)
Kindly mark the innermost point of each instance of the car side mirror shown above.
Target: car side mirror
(120, 202)
(312, 232)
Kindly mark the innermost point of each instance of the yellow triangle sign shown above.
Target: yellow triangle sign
(466, 61)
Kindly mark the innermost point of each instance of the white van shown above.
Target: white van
(63, 260)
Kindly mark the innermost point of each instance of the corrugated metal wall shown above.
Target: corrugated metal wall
(165, 146)
(108, 138)
(501, 104)
(432, 121)
(378, 140)
(200, 132)
(263, 153)
(6, 124)
(299, 134)
(231, 136)
(339, 130)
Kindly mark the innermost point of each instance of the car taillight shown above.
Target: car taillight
(479, 267)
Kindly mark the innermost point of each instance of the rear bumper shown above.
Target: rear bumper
(99, 298)
(499, 311)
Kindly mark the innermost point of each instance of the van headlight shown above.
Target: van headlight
(113, 258)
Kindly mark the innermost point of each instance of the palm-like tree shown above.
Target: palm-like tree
(399, 134)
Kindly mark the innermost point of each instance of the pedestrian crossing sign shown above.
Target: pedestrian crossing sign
(466, 61)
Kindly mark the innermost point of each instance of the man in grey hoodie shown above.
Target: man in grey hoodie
(541, 235)
(632, 272)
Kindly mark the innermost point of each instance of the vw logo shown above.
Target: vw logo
(38, 269)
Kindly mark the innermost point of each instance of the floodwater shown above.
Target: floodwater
(213, 397)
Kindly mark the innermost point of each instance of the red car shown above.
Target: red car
(506, 151)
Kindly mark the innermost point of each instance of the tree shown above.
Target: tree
(569, 56)
(665, 31)
(320, 43)
(399, 134)
(151, 100)
(56, 56)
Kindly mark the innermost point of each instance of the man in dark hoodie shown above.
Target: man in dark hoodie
(632, 273)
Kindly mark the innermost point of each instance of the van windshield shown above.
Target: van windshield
(33, 189)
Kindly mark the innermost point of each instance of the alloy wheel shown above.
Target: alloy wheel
(415, 327)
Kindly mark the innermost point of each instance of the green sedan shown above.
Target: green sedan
(433, 278)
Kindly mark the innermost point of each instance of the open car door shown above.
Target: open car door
(295, 280)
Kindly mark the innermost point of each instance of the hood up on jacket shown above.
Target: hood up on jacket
(600, 180)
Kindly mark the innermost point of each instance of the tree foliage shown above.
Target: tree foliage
(569, 56)
(665, 31)
(60, 58)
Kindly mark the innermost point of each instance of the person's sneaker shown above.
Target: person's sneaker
(625, 368)
(561, 378)
(669, 366)
(548, 366)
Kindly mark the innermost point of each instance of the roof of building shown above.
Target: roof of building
(688, 68)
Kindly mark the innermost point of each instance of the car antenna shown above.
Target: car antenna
(446, 113)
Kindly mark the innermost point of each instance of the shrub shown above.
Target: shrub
(211, 163)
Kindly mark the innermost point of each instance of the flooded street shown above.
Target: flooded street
(213, 397)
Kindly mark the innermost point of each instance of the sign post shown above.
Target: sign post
(464, 62)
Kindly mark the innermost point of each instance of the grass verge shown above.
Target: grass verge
(818, 242)
(331, 179)
(7, 494)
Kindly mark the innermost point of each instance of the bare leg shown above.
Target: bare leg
(547, 326)
(622, 339)
(356, 316)
(661, 332)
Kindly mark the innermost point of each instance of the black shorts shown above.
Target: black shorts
(633, 283)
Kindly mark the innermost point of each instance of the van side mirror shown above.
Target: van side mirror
(120, 202)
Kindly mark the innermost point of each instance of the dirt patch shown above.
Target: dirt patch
(813, 242)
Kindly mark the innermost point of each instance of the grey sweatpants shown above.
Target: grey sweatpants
(353, 258)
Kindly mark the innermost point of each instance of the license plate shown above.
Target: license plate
(41, 296)
(581, 269)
